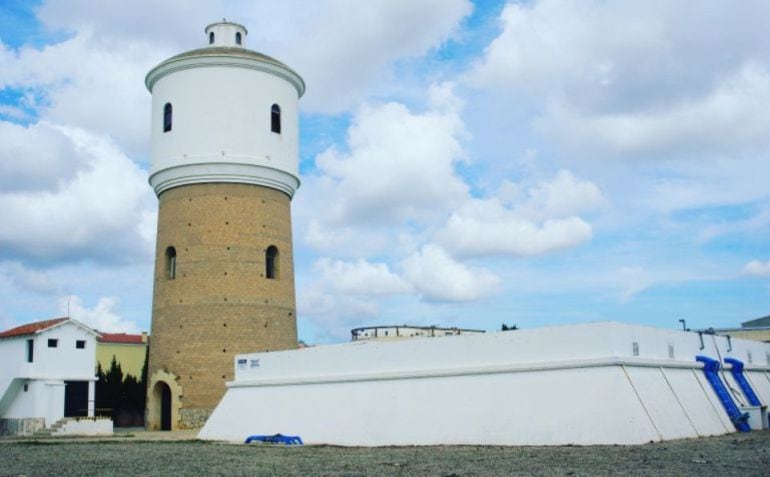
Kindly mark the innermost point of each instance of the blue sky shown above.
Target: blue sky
(463, 163)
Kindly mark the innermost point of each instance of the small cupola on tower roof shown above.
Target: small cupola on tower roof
(227, 34)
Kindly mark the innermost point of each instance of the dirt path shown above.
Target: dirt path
(735, 454)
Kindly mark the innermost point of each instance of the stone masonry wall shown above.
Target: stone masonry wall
(220, 303)
(21, 427)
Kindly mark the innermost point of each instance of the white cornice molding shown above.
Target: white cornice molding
(213, 172)
(473, 370)
(223, 60)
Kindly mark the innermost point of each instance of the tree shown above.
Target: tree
(124, 395)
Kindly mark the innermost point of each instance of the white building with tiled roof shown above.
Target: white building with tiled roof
(47, 373)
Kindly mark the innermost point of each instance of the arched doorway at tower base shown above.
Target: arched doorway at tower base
(163, 402)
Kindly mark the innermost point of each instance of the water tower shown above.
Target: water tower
(224, 149)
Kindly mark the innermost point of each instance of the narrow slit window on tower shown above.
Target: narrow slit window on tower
(271, 262)
(275, 119)
(167, 112)
(211, 38)
(238, 38)
(171, 263)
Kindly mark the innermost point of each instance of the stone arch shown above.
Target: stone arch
(163, 386)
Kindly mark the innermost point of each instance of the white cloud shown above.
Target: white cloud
(544, 221)
(485, 227)
(347, 294)
(333, 313)
(87, 83)
(37, 156)
(400, 165)
(14, 113)
(399, 168)
(344, 47)
(563, 196)
(618, 78)
(102, 317)
(571, 48)
(615, 53)
(707, 182)
(102, 209)
(112, 23)
(343, 240)
(751, 225)
(633, 280)
(360, 277)
(756, 268)
(729, 118)
(28, 280)
(438, 277)
(341, 48)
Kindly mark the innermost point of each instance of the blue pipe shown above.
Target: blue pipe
(737, 371)
(276, 439)
(710, 368)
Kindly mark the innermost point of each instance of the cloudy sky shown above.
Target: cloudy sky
(463, 163)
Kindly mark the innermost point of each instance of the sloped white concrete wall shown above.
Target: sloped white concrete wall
(505, 409)
(690, 387)
(603, 383)
(760, 382)
(677, 411)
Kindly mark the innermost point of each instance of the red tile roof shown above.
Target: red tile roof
(121, 338)
(31, 328)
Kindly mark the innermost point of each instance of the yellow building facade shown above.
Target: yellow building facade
(128, 350)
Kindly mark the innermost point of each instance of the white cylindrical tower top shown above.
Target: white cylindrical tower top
(224, 113)
(226, 33)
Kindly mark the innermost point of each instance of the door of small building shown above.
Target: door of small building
(76, 398)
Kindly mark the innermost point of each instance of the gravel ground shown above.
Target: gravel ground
(735, 454)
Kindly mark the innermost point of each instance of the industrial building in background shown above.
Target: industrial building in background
(224, 147)
(391, 332)
(758, 330)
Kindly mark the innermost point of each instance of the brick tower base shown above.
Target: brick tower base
(212, 295)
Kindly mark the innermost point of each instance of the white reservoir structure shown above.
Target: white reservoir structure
(597, 383)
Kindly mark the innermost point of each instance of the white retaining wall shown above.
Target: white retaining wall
(85, 427)
(599, 383)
